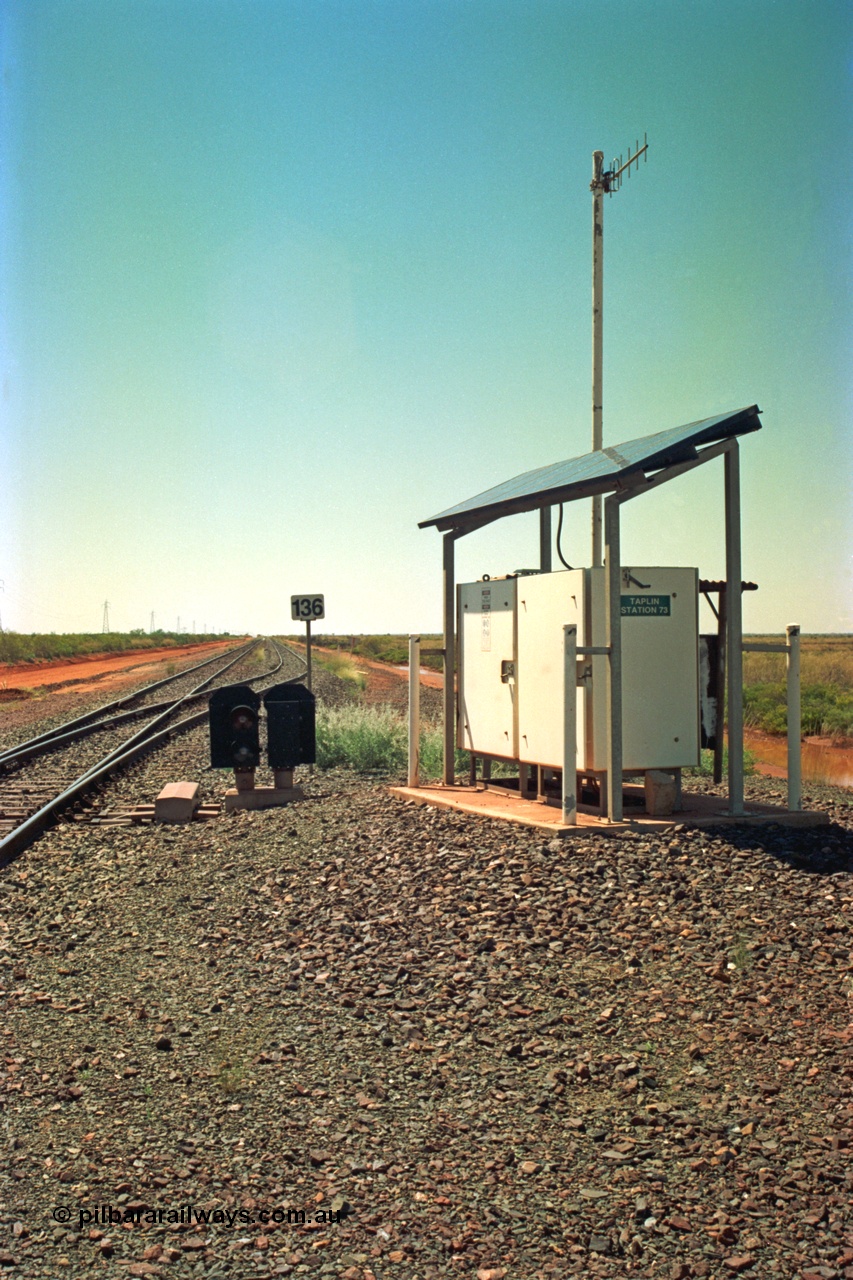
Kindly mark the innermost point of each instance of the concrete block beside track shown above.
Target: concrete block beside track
(261, 797)
(177, 802)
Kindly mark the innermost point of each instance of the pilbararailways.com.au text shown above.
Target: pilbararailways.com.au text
(189, 1214)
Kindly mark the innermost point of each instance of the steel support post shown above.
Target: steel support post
(449, 585)
(720, 684)
(795, 786)
(570, 749)
(597, 332)
(545, 539)
(614, 662)
(734, 639)
(414, 710)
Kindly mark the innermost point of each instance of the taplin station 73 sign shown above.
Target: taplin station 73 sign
(307, 608)
(646, 607)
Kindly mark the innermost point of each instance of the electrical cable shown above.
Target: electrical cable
(559, 536)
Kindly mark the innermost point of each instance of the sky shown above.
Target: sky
(281, 278)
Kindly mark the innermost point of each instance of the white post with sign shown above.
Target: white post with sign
(306, 609)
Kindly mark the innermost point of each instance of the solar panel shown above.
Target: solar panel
(600, 471)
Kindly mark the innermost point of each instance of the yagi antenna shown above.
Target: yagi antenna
(611, 179)
(603, 181)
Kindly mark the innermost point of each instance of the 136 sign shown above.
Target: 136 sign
(307, 608)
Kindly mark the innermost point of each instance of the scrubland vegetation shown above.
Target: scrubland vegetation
(387, 648)
(17, 647)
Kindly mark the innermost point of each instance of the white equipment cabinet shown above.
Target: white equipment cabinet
(511, 668)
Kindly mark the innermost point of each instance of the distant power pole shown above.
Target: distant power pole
(603, 181)
(179, 624)
(193, 630)
(105, 626)
(151, 623)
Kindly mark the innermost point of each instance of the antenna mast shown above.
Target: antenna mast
(105, 626)
(604, 181)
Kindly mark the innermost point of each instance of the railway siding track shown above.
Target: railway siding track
(94, 719)
(36, 789)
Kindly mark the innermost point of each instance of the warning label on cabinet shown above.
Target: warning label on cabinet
(646, 606)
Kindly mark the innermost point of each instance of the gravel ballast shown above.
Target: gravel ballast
(475, 1053)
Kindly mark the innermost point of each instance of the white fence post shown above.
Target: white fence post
(795, 786)
(570, 697)
(414, 710)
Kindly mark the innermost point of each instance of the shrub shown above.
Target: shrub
(376, 740)
(826, 709)
(342, 666)
(367, 739)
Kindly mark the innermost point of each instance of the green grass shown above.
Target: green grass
(706, 767)
(16, 647)
(230, 1078)
(375, 740)
(739, 954)
(342, 666)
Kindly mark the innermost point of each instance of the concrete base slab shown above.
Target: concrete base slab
(699, 811)
(177, 802)
(261, 797)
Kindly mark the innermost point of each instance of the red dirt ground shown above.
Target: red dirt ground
(382, 676)
(106, 669)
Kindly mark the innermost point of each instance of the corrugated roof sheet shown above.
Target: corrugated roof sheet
(600, 471)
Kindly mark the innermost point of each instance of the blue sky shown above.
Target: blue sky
(281, 279)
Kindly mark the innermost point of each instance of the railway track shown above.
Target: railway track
(63, 768)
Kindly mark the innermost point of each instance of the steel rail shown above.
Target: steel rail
(89, 716)
(37, 823)
(41, 746)
(148, 729)
(37, 747)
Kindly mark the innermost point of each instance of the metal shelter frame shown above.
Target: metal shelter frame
(621, 474)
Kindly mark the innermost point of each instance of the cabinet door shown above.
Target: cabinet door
(487, 691)
(660, 676)
(546, 603)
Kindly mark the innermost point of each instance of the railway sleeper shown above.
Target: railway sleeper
(141, 815)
